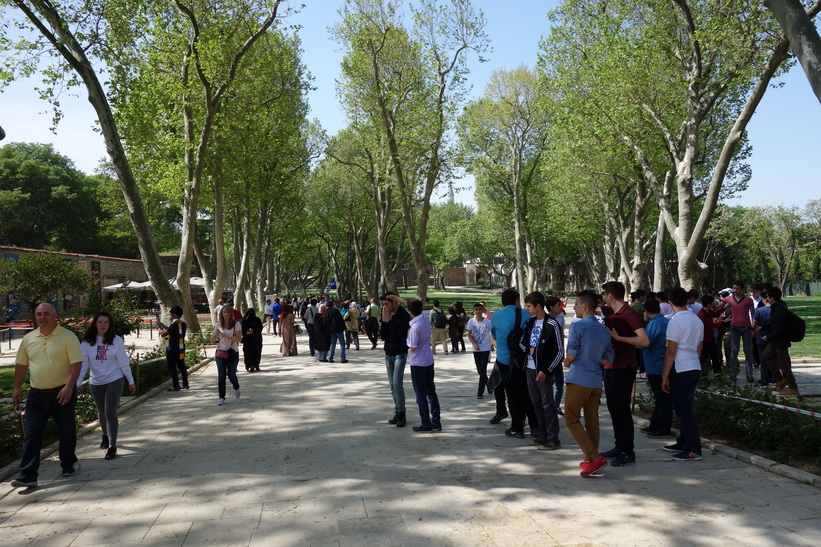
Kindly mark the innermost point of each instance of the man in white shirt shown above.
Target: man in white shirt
(682, 368)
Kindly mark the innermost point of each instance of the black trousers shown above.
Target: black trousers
(618, 385)
(174, 364)
(518, 400)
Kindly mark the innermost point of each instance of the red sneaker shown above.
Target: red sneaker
(594, 466)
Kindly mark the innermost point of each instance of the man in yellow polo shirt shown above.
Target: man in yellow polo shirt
(52, 356)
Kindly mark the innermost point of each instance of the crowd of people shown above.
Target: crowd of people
(670, 339)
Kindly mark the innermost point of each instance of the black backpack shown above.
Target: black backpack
(439, 320)
(796, 326)
(518, 356)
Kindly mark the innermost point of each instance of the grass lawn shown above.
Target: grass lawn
(808, 308)
(6, 382)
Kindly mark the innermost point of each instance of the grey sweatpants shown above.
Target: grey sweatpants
(107, 398)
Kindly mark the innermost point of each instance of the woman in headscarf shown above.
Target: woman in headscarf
(286, 331)
(251, 340)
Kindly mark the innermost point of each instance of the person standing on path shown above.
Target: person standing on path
(227, 335)
(682, 368)
(393, 329)
(332, 319)
(53, 358)
(627, 331)
(251, 340)
(420, 359)
(543, 344)
(662, 418)
(288, 347)
(372, 326)
(438, 323)
(104, 354)
(742, 308)
(309, 318)
(777, 353)
(514, 382)
(268, 314)
(589, 347)
(478, 330)
(276, 310)
(175, 350)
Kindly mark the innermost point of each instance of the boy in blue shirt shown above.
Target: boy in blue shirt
(588, 348)
(662, 419)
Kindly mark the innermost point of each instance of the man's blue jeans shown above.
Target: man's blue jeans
(426, 398)
(337, 337)
(682, 393)
(746, 336)
(395, 365)
(39, 408)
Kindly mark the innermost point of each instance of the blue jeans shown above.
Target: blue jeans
(39, 408)
(746, 335)
(340, 337)
(682, 392)
(426, 398)
(227, 367)
(395, 364)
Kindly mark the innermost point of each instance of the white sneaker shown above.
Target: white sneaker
(236, 393)
(221, 401)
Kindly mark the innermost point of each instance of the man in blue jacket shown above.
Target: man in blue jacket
(514, 380)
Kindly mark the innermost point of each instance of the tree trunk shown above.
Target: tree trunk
(803, 37)
(74, 54)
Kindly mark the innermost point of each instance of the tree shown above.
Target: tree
(445, 245)
(407, 84)
(53, 24)
(803, 36)
(46, 203)
(503, 138)
(36, 276)
(689, 78)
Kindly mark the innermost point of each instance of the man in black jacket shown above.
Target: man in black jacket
(777, 355)
(393, 329)
(542, 342)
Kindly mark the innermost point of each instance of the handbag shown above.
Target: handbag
(222, 354)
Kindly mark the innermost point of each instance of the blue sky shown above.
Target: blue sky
(784, 132)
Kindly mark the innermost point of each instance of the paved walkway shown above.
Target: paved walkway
(305, 457)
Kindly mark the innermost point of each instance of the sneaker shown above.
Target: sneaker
(221, 401)
(323, 360)
(673, 448)
(687, 457)
(112, 453)
(596, 465)
(498, 418)
(104, 442)
(535, 432)
(647, 429)
(780, 384)
(480, 396)
(173, 389)
(750, 380)
(437, 426)
(539, 440)
(422, 428)
(401, 420)
(329, 361)
(236, 393)
(24, 482)
(789, 391)
(612, 453)
(514, 434)
(185, 386)
(68, 471)
(345, 360)
(551, 445)
(623, 459)
(654, 434)
(393, 420)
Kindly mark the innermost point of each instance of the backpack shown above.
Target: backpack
(439, 320)
(518, 356)
(796, 326)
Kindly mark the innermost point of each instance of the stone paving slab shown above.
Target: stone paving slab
(305, 457)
